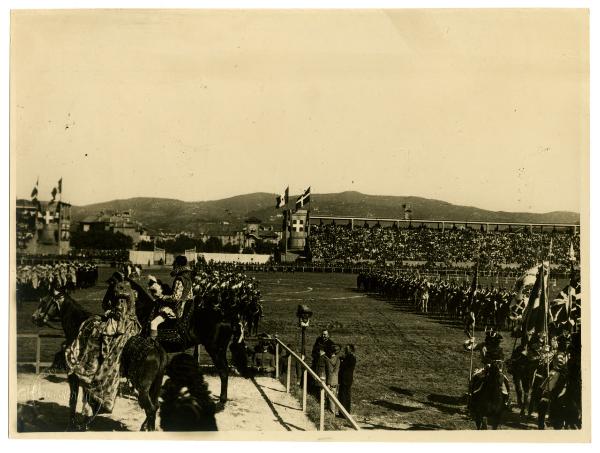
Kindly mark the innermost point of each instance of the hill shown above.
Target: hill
(172, 215)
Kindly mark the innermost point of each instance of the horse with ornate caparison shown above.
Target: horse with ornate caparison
(200, 324)
(142, 360)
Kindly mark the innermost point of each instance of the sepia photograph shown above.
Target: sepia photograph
(340, 224)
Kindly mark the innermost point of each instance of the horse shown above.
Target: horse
(487, 402)
(522, 371)
(422, 298)
(145, 369)
(204, 326)
(562, 401)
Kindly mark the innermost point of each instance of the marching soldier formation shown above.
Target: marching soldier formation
(37, 280)
(490, 305)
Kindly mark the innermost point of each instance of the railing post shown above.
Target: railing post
(289, 374)
(38, 354)
(322, 410)
(304, 389)
(276, 360)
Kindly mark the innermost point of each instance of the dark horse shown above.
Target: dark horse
(144, 365)
(487, 403)
(203, 326)
(522, 370)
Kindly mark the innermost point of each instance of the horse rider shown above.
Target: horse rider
(171, 306)
(558, 368)
(491, 351)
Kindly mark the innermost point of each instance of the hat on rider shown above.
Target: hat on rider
(180, 264)
(492, 337)
(116, 277)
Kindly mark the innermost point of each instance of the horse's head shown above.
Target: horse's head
(48, 310)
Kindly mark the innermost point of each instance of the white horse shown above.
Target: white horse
(422, 297)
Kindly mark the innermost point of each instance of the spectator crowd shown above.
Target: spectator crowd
(495, 249)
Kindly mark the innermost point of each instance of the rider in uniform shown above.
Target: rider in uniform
(558, 368)
(173, 304)
(491, 350)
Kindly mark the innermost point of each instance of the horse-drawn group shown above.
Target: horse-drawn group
(142, 357)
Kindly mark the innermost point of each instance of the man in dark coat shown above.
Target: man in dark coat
(322, 342)
(346, 376)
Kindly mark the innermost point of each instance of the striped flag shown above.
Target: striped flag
(282, 199)
(536, 314)
(54, 192)
(303, 199)
(34, 192)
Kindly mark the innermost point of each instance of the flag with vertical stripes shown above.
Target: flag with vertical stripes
(303, 199)
(34, 192)
(282, 199)
(536, 316)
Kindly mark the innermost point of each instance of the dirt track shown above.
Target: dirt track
(260, 404)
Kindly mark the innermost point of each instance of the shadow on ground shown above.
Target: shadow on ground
(41, 416)
(395, 406)
(402, 391)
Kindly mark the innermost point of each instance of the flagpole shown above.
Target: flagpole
(546, 305)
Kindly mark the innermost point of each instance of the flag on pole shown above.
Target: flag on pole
(470, 316)
(303, 199)
(565, 310)
(34, 192)
(54, 192)
(282, 199)
(536, 313)
(60, 185)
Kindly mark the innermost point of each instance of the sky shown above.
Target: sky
(482, 108)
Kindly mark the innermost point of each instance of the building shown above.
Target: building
(247, 237)
(115, 222)
(43, 228)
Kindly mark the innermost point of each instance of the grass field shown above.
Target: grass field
(411, 373)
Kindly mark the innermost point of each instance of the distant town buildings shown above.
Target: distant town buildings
(115, 222)
(252, 233)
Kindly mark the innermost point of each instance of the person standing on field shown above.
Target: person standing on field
(346, 376)
(332, 371)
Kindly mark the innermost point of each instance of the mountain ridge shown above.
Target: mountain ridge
(173, 215)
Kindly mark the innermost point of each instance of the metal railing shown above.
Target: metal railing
(38, 348)
(324, 389)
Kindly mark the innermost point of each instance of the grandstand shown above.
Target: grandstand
(451, 243)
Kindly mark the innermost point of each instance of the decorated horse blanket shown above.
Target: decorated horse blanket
(95, 355)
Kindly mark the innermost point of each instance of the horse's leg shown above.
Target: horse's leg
(518, 391)
(73, 395)
(149, 409)
(542, 410)
(219, 358)
(197, 353)
(154, 395)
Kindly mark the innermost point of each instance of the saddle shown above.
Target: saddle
(173, 334)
